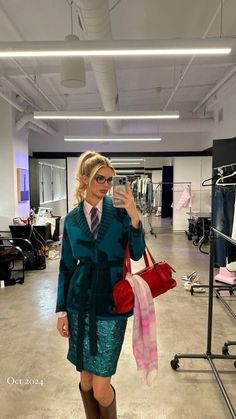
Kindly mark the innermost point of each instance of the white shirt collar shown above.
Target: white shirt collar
(88, 207)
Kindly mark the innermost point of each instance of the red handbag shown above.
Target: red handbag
(158, 276)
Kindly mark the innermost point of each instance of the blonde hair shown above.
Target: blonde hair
(88, 165)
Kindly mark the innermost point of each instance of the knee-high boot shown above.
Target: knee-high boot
(91, 406)
(109, 412)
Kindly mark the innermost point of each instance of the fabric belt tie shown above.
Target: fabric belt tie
(89, 283)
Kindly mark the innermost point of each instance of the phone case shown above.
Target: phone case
(119, 182)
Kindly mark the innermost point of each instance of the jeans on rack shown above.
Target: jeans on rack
(149, 197)
(223, 216)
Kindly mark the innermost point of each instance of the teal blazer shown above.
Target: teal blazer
(87, 285)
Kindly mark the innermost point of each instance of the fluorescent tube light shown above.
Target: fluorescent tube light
(114, 48)
(112, 138)
(125, 160)
(107, 115)
(125, 171)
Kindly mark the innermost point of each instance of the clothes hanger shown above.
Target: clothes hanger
(225, 177)
(216, 177)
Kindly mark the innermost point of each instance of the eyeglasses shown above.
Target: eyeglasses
(101, 179)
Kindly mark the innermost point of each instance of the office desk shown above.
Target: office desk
(36, 234)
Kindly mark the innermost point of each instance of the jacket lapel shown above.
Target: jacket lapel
(82, 222)
(107, 217)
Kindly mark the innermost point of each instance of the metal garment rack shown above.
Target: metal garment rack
(159, 184)
(231, 289)
(208, 355)
(217, 289)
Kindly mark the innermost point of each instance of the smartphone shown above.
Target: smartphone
(119, 182)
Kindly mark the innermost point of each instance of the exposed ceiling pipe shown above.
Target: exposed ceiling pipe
(215, 88)
(19, 92)
(11, 102)
(34, 83)
(35, 128)
(219, 8)
(96, 20)
(29, 118)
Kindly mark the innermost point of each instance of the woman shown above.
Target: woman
(94, 240)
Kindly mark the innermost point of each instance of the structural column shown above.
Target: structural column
(13, 155)
(7, 177)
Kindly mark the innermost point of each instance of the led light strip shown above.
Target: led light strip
(107, 115)
(113, 138)
(126, 160)
(126, 164)
(114, 48)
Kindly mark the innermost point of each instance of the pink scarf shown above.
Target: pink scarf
(144, 328)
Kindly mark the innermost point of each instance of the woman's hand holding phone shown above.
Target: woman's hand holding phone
(128, 204)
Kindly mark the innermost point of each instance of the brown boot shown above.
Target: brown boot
(109, 412)
(90, 404)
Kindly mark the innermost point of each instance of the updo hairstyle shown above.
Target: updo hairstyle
(88, 165)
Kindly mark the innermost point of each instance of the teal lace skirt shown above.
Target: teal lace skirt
(109, 343)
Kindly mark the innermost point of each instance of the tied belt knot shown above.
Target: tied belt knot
(87, 300)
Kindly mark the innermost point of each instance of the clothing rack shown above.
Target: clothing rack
(233, 166)
(218, 288)
(221, 170)
(155, 229)
(208, 355)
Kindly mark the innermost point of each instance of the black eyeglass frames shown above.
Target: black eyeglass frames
(101, 179)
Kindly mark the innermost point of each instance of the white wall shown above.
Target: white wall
(58, 207)
(227, 127)
(195, 170)
(13, 155)
(156, 176)
(20, 146)
(225, 100)
(7, 186)
(71, 182)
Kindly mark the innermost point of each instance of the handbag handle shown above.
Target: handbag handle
(127, 262)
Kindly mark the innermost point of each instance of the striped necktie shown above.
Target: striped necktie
(94, 221)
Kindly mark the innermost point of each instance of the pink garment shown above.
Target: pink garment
(144, 328)
(234, 222)
(226, 276)
(185, 199)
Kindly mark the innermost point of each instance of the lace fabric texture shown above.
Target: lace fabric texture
(110, 339)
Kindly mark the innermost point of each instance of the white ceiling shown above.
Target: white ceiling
(142, 83)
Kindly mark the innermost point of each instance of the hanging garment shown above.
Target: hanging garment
(139, 186)
(234, 222)
(144, 187)
(223, 219)
(185, 199)
(157, 197)
(134, 188)
(149, 195)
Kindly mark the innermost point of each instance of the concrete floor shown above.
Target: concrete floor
(32, 349)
